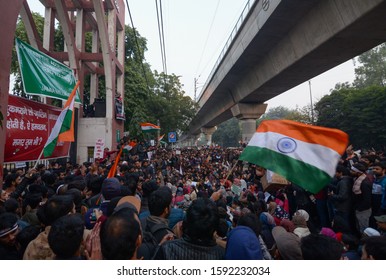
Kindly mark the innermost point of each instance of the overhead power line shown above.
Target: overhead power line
(141, 55)
(161, 33)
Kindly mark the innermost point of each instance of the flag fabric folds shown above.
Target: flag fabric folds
(113, 168)
(63, 129)
(304, 154)
(149, 127)
(161, 137)
(130, 146)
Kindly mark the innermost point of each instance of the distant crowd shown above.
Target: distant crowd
(193, 203)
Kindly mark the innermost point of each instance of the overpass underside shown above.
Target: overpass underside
(285, 45)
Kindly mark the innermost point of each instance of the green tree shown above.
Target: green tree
(331, 109)
(21, 33)
(139, 81)
(358, 112)
(170, 105)
(372, 69)
(228, 133)
(282, 113)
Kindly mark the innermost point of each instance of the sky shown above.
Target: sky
(195, 32)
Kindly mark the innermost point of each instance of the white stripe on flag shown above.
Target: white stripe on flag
(316, 155)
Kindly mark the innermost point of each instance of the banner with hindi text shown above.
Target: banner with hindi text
(28, 126)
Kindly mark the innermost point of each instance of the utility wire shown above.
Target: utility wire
(207, 37)
(141, 56)
(161, 35)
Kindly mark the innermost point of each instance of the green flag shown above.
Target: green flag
(43, 75)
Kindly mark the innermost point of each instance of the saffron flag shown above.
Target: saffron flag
(304, 154)
(113, 169)
(149, 127)
(63, 129)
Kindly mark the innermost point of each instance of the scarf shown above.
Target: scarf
(356, 188)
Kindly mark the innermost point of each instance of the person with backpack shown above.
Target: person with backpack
(156, 226)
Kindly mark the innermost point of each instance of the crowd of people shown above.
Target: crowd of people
(192, 203)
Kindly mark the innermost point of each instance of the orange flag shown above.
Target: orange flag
(113, 169)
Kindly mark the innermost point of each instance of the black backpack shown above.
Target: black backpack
(150, 243)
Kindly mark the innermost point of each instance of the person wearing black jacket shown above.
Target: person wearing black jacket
(362, 189)
(197, 242)
(341, 197)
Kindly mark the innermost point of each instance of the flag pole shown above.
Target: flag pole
(230, 172)
(41, 153)
(73, 94)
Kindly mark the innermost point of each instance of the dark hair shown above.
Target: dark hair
(11, 205)
(201, 220)
(257, 207)
(340, 224)
(124, 168)
(131, 182)
(79, 184)
(342, 169)
(77, 198)
(375, 246)
(381, 164)
(33, 199)
(66, 235)
(159, 200)
(38, 188)
(26, 235)
(49, 178)
(351, 241)
(56, 207)
(222, 228)
(119, 235)
(149, 187)
(40, 166)
(320, 247)
(9, 179)
(95, 184)
(7, 220)
(252, 221)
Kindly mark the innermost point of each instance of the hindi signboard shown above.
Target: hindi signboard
(99, 148)
(28, 125)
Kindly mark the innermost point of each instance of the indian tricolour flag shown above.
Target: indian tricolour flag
(63, 129)
(149, 127)
(304, 154)
(130, 146)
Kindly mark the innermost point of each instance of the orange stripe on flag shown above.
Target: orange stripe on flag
(69, 135)
(328, 137)
(113, 169)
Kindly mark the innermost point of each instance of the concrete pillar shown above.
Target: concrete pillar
(208, 132)
(248, 113)
(8, 20)
(194, 139)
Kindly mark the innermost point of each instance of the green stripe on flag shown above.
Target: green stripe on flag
(49, 149)
(66, 125)
(150, 130)
(305, 175)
